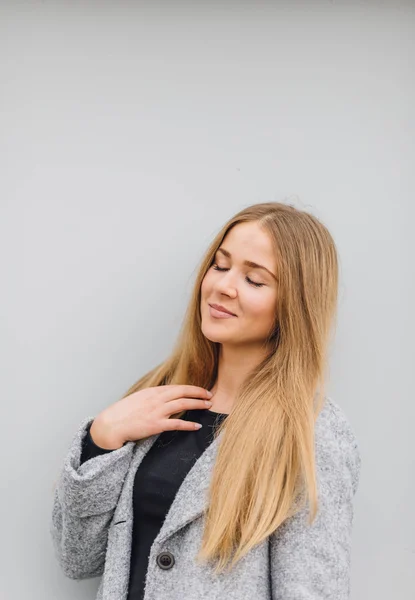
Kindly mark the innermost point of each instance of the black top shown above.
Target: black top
(156, 483)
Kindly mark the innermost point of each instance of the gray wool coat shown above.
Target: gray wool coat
(92, 520)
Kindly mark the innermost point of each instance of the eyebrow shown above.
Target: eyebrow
(249, 263)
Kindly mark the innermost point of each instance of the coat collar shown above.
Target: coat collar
(191, 499)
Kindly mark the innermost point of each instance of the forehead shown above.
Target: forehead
(250, 241)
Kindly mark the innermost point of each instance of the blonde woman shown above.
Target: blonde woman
(258, 502)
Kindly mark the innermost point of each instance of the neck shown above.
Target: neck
(235, 363)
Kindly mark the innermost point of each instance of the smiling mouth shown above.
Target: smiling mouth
(218, 313)
(221, 308)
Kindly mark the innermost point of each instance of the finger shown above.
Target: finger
(181, 425)
(176, 406)
(186, 391)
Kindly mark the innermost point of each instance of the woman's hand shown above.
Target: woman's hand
(146, 412)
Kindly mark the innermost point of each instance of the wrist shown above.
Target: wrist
(104, 437)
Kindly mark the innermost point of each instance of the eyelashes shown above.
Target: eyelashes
(258, 285)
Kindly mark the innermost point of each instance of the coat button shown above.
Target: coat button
(165, 560)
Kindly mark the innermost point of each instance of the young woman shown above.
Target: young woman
(258, 502)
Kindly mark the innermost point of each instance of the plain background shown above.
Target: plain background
(130, 131)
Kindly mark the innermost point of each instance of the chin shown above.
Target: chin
(215, 339)
(211, 335)
(215, 336)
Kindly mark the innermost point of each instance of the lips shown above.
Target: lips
(222, 309)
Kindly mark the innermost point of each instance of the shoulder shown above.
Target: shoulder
(337, 448)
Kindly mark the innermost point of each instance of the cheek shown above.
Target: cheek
(206, 286)
(261, 306)
(258, 307)
(204, 289)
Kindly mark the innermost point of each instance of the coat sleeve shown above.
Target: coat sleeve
(89, 447)
(84, 502)
(312, 562)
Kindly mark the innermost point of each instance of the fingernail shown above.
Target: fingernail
(209, 394)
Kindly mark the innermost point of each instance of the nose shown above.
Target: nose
(226, 284)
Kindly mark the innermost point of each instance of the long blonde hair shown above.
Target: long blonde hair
(271, 424)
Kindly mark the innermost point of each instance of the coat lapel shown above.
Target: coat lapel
(191, 498)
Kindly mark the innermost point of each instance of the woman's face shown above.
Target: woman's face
(247, 291)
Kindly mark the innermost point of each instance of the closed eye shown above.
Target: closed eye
(215, 266)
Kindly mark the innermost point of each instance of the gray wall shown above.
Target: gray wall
(129, 132)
